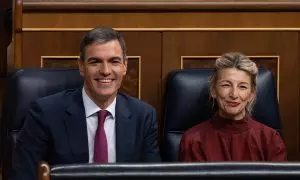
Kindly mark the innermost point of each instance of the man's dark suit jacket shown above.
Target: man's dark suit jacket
(55, 131)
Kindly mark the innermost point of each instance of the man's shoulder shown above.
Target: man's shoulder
(135, 103)
(58, 99)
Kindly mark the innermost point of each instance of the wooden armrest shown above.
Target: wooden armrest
(44, 171)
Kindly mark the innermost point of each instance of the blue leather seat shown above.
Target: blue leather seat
(23, 87)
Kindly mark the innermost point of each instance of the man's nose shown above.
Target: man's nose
(105, 69)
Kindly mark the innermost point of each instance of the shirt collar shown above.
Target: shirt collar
(91, 108)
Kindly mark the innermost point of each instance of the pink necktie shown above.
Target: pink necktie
(100, 144)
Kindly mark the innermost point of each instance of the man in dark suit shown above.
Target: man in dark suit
(93, 124)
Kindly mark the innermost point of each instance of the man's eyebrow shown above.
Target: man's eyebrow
(93, 59)
(115, 58)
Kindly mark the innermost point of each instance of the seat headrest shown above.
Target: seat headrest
(187, 99)
(27, 85)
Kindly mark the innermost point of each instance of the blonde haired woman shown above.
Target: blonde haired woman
(231, 134)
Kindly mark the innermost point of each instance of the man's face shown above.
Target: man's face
(103, 69)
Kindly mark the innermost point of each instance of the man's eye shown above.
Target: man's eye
(115, 61)
(92, 62)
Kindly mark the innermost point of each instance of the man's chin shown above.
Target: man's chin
(106, 94)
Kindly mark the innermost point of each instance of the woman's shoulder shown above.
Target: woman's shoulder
(198, 128)
(258, 126)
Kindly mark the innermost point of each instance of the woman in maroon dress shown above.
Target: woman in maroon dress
(231, 134)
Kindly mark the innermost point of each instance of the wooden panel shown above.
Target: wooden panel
(144, 73)
(282, 44)
(17, 32)
(43, 44)
(131, 81)
(59, 61)
(194, 14)
(166, 20)
(167, 5)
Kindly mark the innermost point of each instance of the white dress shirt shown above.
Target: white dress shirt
(91, 110)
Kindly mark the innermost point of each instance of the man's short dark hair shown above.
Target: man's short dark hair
(101, 35)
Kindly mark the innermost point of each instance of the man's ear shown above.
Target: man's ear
(125, 64)
(81, 66)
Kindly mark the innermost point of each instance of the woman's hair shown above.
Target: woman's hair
(238, 61)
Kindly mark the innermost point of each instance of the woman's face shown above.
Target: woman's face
(232, 91)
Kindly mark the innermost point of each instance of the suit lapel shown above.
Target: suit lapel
(76, 127)
(125, 131)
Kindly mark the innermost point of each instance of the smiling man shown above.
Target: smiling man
(92, 124)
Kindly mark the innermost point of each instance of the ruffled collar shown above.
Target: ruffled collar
(229, 125)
